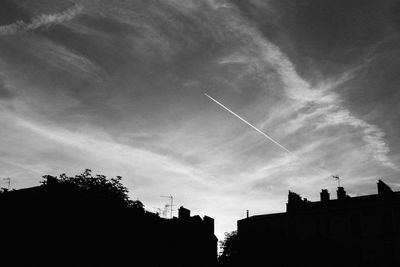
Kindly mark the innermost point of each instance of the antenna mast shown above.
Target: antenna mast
(336, 177)
(171, 198)
(8, 180)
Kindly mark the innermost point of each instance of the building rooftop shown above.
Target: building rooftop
(297, 204)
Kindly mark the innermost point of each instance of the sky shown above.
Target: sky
(119, 87)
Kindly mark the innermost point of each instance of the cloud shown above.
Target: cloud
(101, 146)
(120, 90)
(5, 92)
(328, 110)
(42, 21)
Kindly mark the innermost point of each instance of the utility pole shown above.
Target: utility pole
(171, 198)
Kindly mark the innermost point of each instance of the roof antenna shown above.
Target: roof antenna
(171, 205)
(336, 177)
(8, 180)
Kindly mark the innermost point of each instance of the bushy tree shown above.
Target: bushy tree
(99, 186)
(229, 250)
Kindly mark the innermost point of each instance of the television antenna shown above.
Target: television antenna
(8, 181)
(337, 178)
(165, 211)
(171, 198)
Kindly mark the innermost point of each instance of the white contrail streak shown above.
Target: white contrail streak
(252, 126)
(265, 135)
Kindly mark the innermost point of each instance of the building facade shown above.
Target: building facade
(346, 231)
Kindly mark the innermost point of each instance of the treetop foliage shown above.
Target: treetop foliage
(229, 249)
(97, 185)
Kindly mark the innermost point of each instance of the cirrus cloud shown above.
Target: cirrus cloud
(42, 21)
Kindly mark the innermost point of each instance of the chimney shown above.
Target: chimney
(383, 189)
(324, 196)
(294, 202)
(294, 198)
(183, 213)
(341, 194)
(247, 213)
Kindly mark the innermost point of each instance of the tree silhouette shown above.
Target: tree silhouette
(229, 247)
(99, 186)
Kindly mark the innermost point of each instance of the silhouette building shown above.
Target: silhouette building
(346, 231)
(62, 225)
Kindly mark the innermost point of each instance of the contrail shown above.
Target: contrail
(252, 126)
(264, 134)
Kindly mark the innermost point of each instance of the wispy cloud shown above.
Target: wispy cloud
(5, 92)
(42, 21)
(119, 90)
(327, 105)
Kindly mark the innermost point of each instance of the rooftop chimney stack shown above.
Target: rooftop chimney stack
(295, 202)
(341, 194)
(183, 213)
(294, 198)
(324, 196)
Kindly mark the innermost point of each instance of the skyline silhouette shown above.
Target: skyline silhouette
(119, 86)
(89, 220)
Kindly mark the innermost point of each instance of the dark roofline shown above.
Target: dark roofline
(296, 203)
(262, 216)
